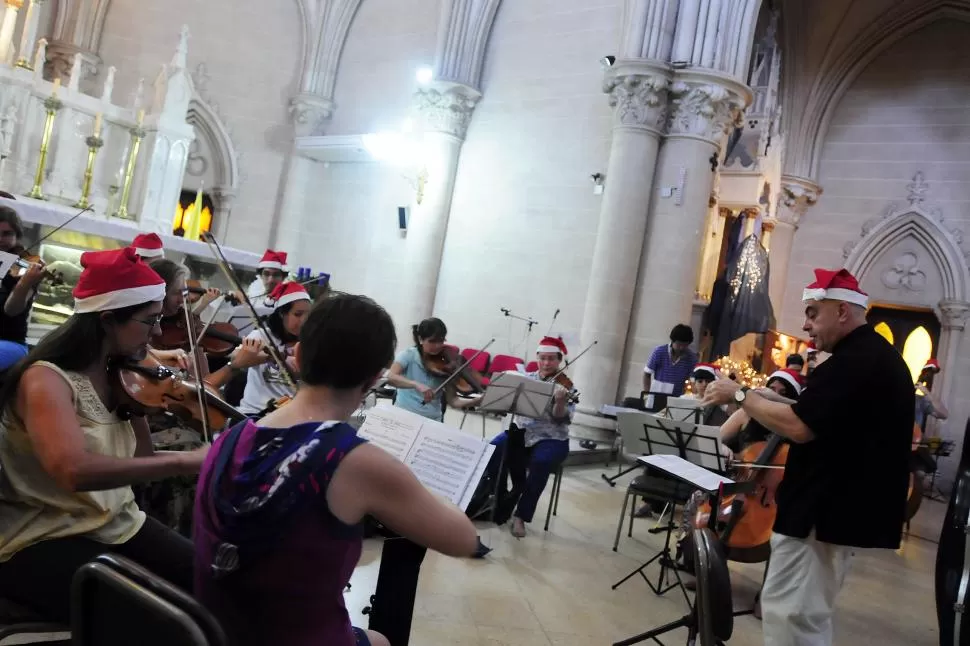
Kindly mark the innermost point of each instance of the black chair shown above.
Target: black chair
(554, 496)
(115, 602)
(710, 621)
(16, 619)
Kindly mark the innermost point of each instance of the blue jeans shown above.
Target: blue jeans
(543, 458)
(11, 353)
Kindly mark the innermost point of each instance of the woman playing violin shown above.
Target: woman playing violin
(415, 384)
(546, 437)
(16, 293)
(265, 383)
(68, 460)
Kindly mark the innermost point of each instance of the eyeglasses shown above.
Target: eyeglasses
(152, 322)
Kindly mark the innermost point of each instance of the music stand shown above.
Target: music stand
(701, 479)
(675, 444)
(612, 412)
(684, 409)
(511, 392)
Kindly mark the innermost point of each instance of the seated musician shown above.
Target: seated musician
(149, 246)
(415, 384)
(270, 272)
(546, 437)
(247, 355)
(67, 460)
(265, 383)
(16, 293)
(739, 431)
(702, 376)
(279, 519)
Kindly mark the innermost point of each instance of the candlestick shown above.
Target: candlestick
(94, 142)
(52, 104)
(137, 134)
(29, 31)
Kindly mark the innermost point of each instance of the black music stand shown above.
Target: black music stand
(700, 479)
(511, 392)
(682, 446)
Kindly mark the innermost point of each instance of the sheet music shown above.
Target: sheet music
(681, 468)
(610, 411)
(392, 429)
(446, 461)
(6, 262)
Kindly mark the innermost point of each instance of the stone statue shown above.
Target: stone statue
(109, 85)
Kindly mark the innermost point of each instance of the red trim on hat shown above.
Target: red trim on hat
(705, 367)
(551, 344)
(148, 245)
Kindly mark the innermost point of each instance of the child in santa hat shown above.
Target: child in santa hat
(69, 458)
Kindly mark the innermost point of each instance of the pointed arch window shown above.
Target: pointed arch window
(185, 213)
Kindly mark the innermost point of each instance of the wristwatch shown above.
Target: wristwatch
(740, 394)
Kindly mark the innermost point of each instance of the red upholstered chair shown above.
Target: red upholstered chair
(503, 362)
(532, 366)
(480, 363)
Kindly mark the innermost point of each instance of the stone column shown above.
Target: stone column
(11, 8)
(953, 316)
(445, 110)
(703, 105)
(222, 199)
(794, 200)
(77, 30)
(638, 94)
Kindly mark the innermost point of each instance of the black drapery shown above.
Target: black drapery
(746, 304)
(712, 316)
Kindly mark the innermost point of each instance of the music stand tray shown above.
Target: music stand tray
(511, 392)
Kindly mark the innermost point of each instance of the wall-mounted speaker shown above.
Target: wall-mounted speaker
(403, 215)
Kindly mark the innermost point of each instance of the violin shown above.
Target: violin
(748, 518)
(219, 339)
(25, 260)
(196, 291)
(448, 362)
(146, 386)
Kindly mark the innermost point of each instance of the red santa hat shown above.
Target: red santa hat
(114, 279)
(148, 245)
(551, 344)
(932, 364)
(792, 377)
(837, 286)
(272, 260)
(706, 368)
(288, 292)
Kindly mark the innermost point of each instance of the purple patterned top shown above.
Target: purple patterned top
(271, 560)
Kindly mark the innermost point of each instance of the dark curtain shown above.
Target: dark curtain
(746, 304)
(712, 316)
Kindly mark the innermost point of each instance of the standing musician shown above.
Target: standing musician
(67, 460)
(16, 293)
(546, 438)
(850, 431)
(270, 272)
(281, 501)
(264, 383)
(415, 385)
(927, 403)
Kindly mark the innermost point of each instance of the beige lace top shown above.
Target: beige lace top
(33, 507)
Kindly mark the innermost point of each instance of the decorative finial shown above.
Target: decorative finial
(917, 189)
(180, 60)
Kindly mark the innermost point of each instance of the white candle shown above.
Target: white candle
(57, 86)
(98, 119)
(141, 117)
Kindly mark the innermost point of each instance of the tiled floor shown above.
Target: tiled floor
(554, 588)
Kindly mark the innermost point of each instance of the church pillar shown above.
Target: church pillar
(28, 34)
(10, 10)
(444, 110)
(638, 94)
(954, 316)
(794, 200)
(703, 104)
(78, 26)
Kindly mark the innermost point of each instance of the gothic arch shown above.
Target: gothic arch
(804, 146)
(926, 228)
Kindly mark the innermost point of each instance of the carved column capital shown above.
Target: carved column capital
(954, 314)
(704, 104)
(446, 107)
(795, 198)
(310, 114)
(60, 59)
(638, 95)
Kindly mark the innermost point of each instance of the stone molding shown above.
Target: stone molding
(796, 196)
(638, 100)
(310, 114)
(954, 314)
(446, 107)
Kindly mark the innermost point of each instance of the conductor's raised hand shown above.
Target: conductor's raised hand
(721, 391)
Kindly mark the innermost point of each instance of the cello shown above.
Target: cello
(745, 520)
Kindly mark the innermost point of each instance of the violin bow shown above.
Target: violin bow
(274, 350)
(569, 363)
(61, 226)
(457, 372)
(200, 385)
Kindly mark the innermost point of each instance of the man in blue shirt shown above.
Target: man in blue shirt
(928, 404)
(671, 364)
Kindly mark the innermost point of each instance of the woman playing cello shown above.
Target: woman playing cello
(67, 460)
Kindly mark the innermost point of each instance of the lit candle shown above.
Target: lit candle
(141, 117)
(57, 86)
(98, 119)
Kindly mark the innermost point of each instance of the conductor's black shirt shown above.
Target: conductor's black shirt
(850, 482)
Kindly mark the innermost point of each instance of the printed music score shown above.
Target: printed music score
(7, 261)
(681, 468)
(445, 460)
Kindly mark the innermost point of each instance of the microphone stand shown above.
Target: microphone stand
(528, 320)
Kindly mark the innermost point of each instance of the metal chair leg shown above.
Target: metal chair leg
(554, 496)
(619, 525)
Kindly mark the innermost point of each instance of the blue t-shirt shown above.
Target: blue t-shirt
(409, 398)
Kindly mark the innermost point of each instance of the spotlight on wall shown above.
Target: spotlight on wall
(607, 62)
(424, 75)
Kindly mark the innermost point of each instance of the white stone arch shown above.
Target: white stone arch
(217, 147)
(919, 226)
